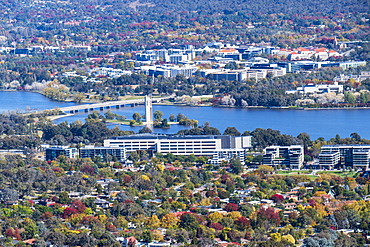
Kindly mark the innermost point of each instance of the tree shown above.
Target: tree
(8, 195)
(277, 198)
(180, 116)
(236, 166)
(231, 207)
(110, 115)
(189, 221)
(78, 97)
(242, 223)
(136, 116)
(350, 97)
(153, 222)
(169, 221)
(145, 130)
(268, 215)
(232, 131)
(265, 169)
(355, 136)
(305, 139)
(215, 217)
(158, 115)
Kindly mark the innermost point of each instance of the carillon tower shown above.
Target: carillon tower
(148, 111)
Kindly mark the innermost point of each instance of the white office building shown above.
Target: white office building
(219, 147)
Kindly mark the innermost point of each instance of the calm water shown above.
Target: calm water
(317, 123)
(25, 101)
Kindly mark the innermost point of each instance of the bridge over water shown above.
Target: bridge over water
(107, 105)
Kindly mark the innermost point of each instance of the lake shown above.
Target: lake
(317, 123)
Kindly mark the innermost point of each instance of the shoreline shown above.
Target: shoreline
(52, 118)
(209, 105)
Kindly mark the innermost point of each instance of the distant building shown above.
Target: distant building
(219, 147)
(245, 74)
(290, 156)
(147, 56)
(108, 72)
(103, 152)
(358, 78)
(319, 88)
(52, 153)
(354, 156)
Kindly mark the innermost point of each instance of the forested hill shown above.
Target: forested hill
(249, 6)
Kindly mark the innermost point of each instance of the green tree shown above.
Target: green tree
(158, 115)
(236, 166)
(232, 131)
(350, 97)
(136, 116)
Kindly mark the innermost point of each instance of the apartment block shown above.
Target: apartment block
(354, 156)
(52, 153)
(103, 152)
(290, 156)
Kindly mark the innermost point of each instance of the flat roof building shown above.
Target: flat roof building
(199, 145)
(53, 152)
(290, 156)
(354, 156)
(103, 152)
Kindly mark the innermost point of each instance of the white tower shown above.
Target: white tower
(148, 110)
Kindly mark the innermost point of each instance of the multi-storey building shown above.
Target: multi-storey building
(290, 156)
(53, 152)
(103, 152)
(217, 146)
(354, 156)
(329, 160)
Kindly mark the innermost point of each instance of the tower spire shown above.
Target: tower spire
(148, 111)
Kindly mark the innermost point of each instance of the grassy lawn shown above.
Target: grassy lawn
(135, 97)
(296, 173)
(292, 172)
(341, 174)
(124, 122)
(127, 122)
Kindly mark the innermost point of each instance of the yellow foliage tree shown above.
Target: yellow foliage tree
(319, 193)
(153, 222)
(276, 236)
(160, 167)
(288, 238)
(157, 235)
(169, 221)
(205, 202)
(215, 217)
(234, 215)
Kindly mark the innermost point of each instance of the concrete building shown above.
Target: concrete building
(358, 78)
(52, 153)
(354, 156)
(147, 56)
(217, 146)
(103, 152)
(290, 156)
(328, 160)
(320, 88)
